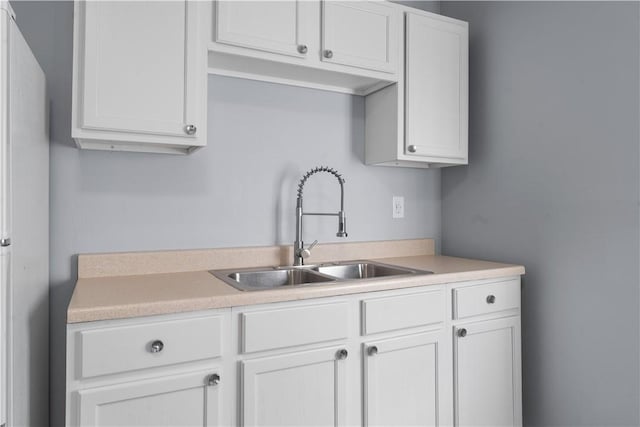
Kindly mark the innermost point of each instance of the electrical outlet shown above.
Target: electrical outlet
(398, 207)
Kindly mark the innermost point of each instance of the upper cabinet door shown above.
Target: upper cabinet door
(137, 65)
(361, 34)
(271, 26)
(436, 91)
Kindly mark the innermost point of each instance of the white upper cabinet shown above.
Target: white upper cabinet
(139, 76)
(350, 47)
(361, 34)
(140, 70)
(278, 27)
(422, 121)
(436, 88)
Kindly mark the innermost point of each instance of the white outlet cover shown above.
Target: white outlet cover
(398, 207)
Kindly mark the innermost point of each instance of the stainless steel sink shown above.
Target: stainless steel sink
(263, 279)
(256, 279)
(364, 270)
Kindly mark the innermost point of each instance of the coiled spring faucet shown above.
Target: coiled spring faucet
(299, 251)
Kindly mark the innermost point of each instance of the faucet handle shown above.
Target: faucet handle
(306, 252)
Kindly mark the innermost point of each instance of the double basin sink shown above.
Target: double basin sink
(256, 279)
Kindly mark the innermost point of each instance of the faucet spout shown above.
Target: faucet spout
(342, 224)
(299, 251)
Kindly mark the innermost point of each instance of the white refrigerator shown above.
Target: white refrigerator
(24, 231)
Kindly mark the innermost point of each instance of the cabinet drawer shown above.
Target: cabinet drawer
(485, 299)
(405, 311)
(128, 348)
(288, 327)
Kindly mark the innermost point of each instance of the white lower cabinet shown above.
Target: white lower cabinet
(402, 379)
(183, 400)
(424, 356)
(295, 389)
(153, 371)
(487, 372)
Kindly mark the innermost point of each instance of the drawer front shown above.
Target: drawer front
(288, 327)
(485, 299)
(405, 311)
(127, 348)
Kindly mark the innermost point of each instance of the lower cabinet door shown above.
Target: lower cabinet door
(183, 400)
(487, 373)
(297, 389)
(402, 381)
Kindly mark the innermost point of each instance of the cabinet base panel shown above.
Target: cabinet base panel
(416, 164)
(106, 145)
(230, 65)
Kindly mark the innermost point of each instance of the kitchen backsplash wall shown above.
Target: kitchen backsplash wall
(238, 191)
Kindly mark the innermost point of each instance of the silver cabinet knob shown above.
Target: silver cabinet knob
(190, 129)
(491, 299)
(5, 242)
(302, 48)
(328, 54)
(462, 333)
(213, 379)
(412, 148)
(372, 351)
(342, 354)
(156, 346)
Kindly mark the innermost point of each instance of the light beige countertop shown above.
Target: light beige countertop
(116, 286)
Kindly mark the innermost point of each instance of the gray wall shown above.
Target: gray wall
(553, 184)
(238, 191)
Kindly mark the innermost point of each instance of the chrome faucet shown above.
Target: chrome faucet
(299, 251)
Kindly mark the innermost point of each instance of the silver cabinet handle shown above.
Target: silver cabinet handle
(328, 54)
(302, 48)
(5, 242)
(342, 354)
(372, 351)
(491, 299)
(462, 333)
(213, 379)
(412, 148)
(190, 129)
(156, 346)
